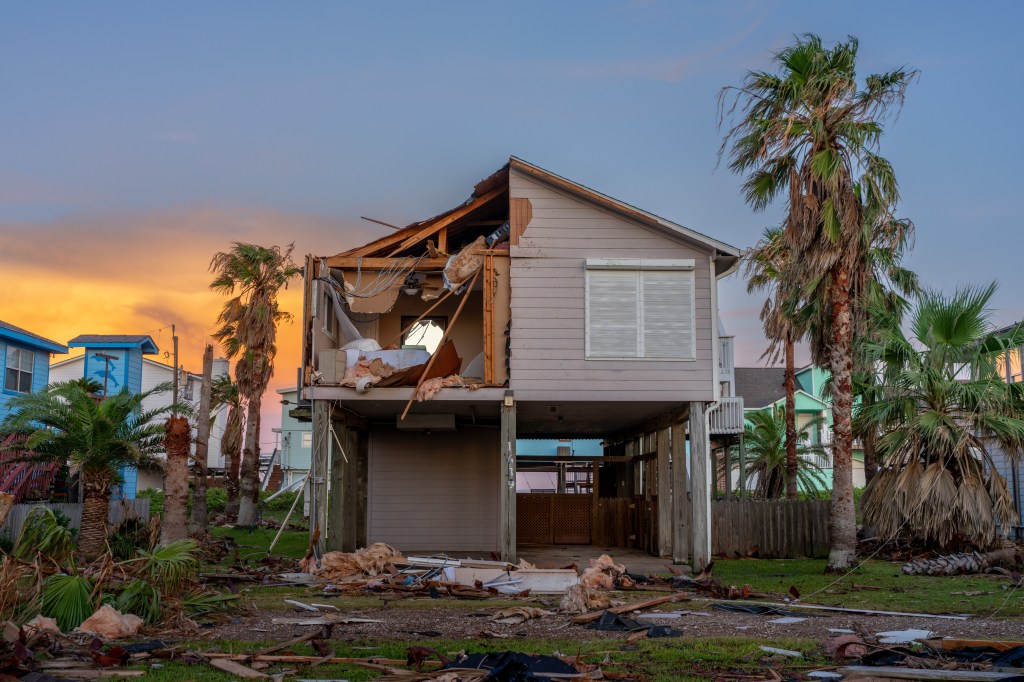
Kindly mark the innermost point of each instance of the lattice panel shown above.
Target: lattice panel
(533, 519)
(572, 516)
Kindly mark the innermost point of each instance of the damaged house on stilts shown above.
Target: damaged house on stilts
(539, 308)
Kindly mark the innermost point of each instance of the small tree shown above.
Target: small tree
(200, 521)
(67, 424)
(248, 331)
(765, 442)
(225, 393)
(939, 406)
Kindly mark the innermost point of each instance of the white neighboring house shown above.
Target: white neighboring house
(153, 374)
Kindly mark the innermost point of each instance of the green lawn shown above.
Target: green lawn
(893, 591)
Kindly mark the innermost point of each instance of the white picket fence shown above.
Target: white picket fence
(119, 510)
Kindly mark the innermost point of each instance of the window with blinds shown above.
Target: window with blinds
(640, 309)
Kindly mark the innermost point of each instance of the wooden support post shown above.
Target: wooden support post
(664, 495)
(362, 486)
(680, 500)
(727, 468)
(350, 522)
(700, 487)
(337, 524)
(507, 480)
(320, 470)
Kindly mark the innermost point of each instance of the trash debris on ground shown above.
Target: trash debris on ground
(903, 636)
(626, 608)
(840, 609)
(605, 574)
(367, 562)
(519, 614)
(965, 563)
(787, 620)
(845, 647)
(613, 622)
(109, 623)
(583, 599)
(781, 652)
(761, 610)
(513, 666)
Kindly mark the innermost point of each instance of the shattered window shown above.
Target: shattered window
(427, 332)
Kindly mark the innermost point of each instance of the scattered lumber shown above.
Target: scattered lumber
(866, 612)
(93, 674)
(284, 658)
(951, 644)
(626, 608)
(236, 668)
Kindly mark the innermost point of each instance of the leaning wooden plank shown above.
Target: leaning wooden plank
(626, 608)
(350, 263)
(236, 668)
(325, 620)
(840, 609)
(870, 672)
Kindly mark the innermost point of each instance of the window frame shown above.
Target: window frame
(19, 371)
(640, 265)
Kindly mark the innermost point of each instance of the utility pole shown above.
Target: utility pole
(174, 394)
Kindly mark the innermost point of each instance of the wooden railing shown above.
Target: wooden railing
(727, 418)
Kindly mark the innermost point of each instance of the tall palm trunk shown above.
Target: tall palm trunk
(843, 525)
(790, 419)
(249, 477)
(200, 521)
(92, 537)
(174, 525)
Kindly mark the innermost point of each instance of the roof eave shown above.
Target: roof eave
(33, 341)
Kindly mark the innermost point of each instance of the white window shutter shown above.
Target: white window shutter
(612, 313)
(668, 315)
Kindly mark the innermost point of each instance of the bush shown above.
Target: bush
(6, 544)
(282, 502)
(216, 499)
(128, 537)
(156, 500)
(45, 531)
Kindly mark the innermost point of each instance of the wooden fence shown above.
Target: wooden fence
(119, 510)
(771, 529)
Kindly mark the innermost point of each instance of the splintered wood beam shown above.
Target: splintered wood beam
(489, 320)
(444, 337)
(455, 215)
(353, 262)
(442, 240)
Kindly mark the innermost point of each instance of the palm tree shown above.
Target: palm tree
(225, 392)
(248, 331)
(66, 424)
(765, 264)
(810, 133)
(941, 403)
(765, 438)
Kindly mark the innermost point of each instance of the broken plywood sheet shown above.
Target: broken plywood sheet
(546, 580)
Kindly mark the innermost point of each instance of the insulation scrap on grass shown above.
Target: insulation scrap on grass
(367, 562)
(109, 623)
(41, 624)
(582, 598)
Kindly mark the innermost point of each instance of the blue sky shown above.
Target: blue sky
(138, 137)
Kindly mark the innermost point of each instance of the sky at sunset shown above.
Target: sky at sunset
(136, 139)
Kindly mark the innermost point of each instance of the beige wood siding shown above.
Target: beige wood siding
(548, 304)
(436, 492)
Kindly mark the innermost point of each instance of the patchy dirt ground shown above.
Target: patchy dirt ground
(422, 622)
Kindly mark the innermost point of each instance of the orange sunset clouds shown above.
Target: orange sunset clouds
(135, 273)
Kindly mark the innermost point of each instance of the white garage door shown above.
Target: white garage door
(436, 492)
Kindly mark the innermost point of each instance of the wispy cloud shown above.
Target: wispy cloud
(671, 69)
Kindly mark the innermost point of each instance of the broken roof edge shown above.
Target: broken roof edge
(645, 216)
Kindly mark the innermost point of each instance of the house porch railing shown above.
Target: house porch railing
(727, 418)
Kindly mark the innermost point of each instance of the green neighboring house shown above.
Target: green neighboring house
(763, 388)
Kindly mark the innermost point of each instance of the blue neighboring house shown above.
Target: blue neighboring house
(115, 361)
(24, 362)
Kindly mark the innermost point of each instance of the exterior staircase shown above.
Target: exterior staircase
(25, 480)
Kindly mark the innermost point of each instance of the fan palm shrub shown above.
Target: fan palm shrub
(766, 466)
(67, 424)
(940, 405)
